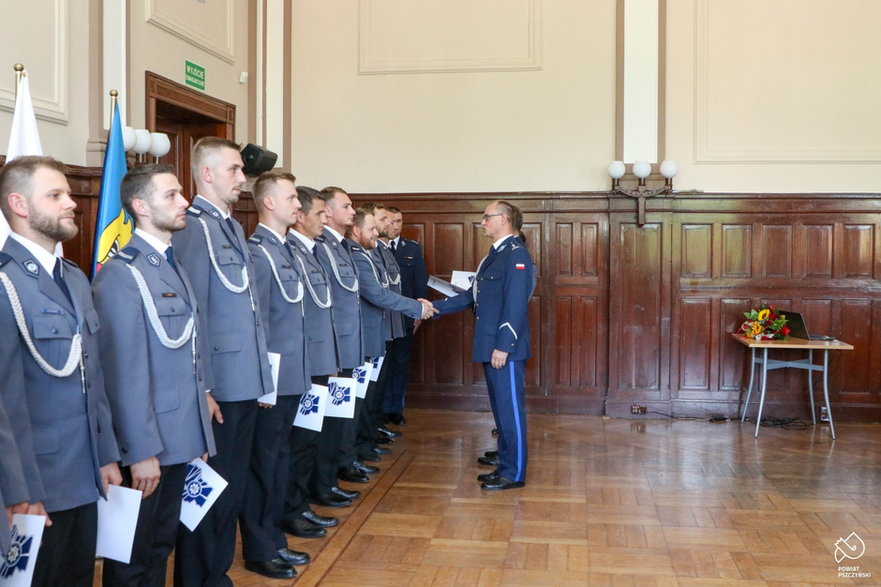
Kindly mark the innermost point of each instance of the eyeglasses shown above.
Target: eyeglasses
(488, 216)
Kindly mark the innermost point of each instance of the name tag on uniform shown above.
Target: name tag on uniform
(169, 294)
(52, 311)
(225, 246)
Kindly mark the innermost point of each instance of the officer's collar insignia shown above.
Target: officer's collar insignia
(501, 248)
(154, 259)
(31, 267)
(214, 213)
(273, 240)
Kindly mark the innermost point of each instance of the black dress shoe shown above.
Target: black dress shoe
(274, 569)
(331, 501)
(352, 475)
(493, 454)
(397, 419)
(365, 469)
(294, 557)
(303, 528)
(489, 477)
(345, 493)
(489, 461)
(380, 450)
(383, 440)
(323, 521)
(369, 457)
(389, 433)
(501, 483)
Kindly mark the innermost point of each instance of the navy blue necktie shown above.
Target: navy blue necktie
(59, 280)
(392, 246)
(169, 256)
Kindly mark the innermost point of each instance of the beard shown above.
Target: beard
(51, 228)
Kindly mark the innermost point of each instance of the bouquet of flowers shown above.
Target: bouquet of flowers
(764, 323)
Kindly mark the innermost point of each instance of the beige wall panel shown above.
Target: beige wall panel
(211, 34)
(545, 129)
(51, 38)
(780, 96)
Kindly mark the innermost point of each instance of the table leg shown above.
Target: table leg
(764, 385)
(749, 389)
(811, 387)
(826, 391)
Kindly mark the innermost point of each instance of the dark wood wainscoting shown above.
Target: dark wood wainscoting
(626, 314)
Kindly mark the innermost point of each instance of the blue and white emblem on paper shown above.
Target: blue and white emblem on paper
(313, 403)
(341, 400)
(17, 567)
(202, 487)
(361, 375)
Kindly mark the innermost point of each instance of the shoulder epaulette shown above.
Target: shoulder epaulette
(410, 240)
(69, 263)
(356, 249)
(191, 211)
(128, 254)
(4, 259)
(256, 238)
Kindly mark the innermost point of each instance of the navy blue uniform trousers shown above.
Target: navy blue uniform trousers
(507, 397)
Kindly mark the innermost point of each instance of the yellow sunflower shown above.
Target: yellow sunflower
(757, 328)
(764, 314)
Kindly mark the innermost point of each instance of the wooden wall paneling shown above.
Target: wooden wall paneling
(858, 251)
(736, 251)
(776, 251)
(817, 247)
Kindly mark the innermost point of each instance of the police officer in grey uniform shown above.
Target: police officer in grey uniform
(280, 291)
(378, 299)
(213, 251)
(13, 488)
(299, 519)
(336, 260)
(153, 368)
(52, 383)
(382, 254)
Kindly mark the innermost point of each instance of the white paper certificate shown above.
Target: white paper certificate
(117, 520)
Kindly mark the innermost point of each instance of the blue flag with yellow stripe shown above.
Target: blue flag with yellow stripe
(113, 227)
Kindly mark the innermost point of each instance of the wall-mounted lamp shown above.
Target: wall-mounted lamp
(641, 170)
(141, 141)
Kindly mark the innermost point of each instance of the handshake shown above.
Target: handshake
(428, 309)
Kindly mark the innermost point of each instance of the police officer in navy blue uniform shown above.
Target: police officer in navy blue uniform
(213, 250)
(414, 284)
(500, 298)
(280, 291)
(52, 382)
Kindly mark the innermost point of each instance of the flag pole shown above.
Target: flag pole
(19, 72)
(113, 98)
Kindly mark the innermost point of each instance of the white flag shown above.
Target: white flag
(24, 138)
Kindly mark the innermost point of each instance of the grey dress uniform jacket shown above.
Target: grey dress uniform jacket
(157, 393)
(378, 300)
(62, 425)
(384, 255)
(342, 276)
(230, 316)
(281, 308)
(13, 488)
(320, 341)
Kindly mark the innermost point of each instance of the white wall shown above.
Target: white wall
(780, 96)
(549, 128)
(51, 39)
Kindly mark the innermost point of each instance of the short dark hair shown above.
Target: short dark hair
(394, 210)
(360, 214)
(266, 180)
(512, 212)
(307, 197)
(16, 176)
(137, 184)
(330, 192)
(203, 147)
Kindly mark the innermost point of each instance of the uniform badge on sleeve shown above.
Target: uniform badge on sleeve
(520, 266)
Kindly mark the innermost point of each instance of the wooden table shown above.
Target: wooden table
(806, 364)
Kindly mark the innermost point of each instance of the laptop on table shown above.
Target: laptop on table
(797, 328)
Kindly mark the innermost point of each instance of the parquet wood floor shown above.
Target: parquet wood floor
(608, 502)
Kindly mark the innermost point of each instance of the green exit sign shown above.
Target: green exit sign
(194, 75)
